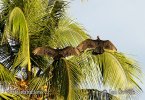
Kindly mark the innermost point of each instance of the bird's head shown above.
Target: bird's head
(98, 38)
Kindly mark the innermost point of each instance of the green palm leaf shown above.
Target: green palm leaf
(6, 76)
(66, 76)
(7, 96)
(110, 69)
(118, 71)
(17, 28)
(67, 33)
(39, 81)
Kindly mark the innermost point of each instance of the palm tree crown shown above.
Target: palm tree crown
(26, 25)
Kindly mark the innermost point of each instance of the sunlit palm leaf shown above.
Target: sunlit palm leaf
(118, 71)
(7, 96)
(35, 11)
(42, 80)
(66, 76)
(111, 70)
(92, 77)
(6, 76)
(67, 33)
(132, 70)
(17, 28)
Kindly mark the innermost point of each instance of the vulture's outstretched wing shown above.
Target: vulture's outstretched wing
(45, 51)
(88, 43)
(69, 51)
(109, 45)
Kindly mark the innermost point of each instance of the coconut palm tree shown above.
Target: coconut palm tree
(28, 24)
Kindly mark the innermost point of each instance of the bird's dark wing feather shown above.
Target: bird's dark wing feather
(109, 45)
(88, 43)
(69, 51)
(45, 51)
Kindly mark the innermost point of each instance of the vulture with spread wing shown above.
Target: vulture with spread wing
(97, 45)
(56, 54)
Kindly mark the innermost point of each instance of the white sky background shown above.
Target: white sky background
(121, 21)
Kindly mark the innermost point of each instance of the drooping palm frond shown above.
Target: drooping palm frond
(35, 11)
(57, 10)
(7, 96)
(41, 62)
(92, 77)
(6, 76)
(8, 5)
(43, 16)
(115, 77)
(17, 28)
(132, 70)
(112, 70)
(118, 71)
(43, 79)
(61, 79)
(67, 33)
(66, 76)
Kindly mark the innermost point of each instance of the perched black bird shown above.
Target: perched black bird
(97, 45)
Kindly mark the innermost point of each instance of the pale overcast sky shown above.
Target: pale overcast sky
(121, 21)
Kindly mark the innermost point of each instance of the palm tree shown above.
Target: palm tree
(26, 25)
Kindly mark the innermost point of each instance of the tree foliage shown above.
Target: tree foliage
(28, 24)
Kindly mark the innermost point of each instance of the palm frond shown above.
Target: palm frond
(66, 76)
(92, 77)
(7, 96)
(8, 5)
(39, 81)
(35, 11)
(132, 70)
(6, 76)
(17, 28)
(118, 71)
(68, 33)
(109, 70)
(57, 10)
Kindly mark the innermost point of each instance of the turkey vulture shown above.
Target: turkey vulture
(56, 54)
(97, 45)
